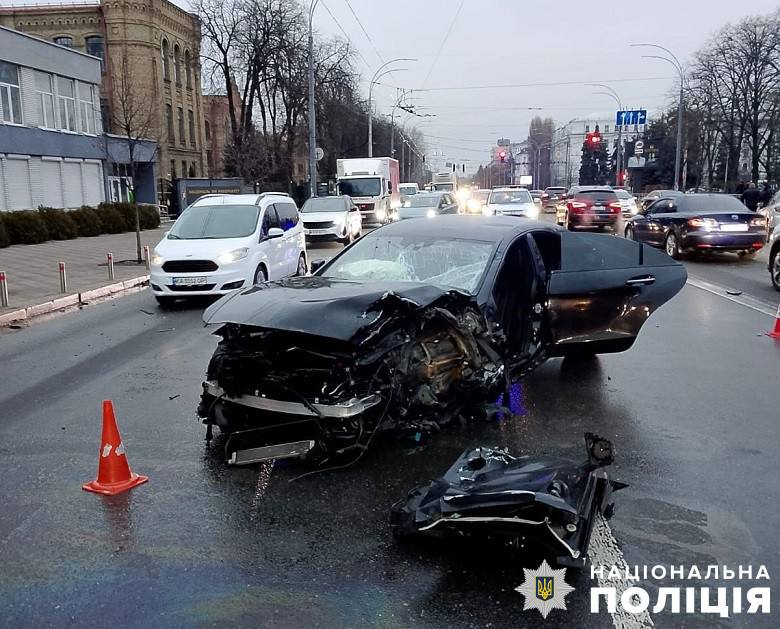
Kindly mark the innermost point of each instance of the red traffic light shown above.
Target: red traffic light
(502, 156)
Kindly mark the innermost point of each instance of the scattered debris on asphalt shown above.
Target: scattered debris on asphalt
(532, 503)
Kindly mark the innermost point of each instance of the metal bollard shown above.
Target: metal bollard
(3, 290)
(110, 260)
(147, 258)
(63, 278)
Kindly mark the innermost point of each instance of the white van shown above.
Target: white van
(224, 242)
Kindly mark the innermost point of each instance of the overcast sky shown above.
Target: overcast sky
(499, 42)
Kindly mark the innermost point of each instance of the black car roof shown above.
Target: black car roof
(490, 228)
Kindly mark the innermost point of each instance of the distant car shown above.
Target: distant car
(511, 202)
(698, 222)
(536, 195)
(331, 218)
(652, 197)
(774, 256)
(427, 204)
(627, 202)
(590, 207)
(553, 197)
(224, 242)
(408, 189)
(476, 204)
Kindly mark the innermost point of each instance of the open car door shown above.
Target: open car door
(605, 289)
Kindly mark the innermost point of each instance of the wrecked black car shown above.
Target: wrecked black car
(416, 324)
(531, 503)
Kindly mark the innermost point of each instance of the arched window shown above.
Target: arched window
(208, 131)
(96, 48)
(188, 69)
(177, 64)
(166, 59)
(64, 40)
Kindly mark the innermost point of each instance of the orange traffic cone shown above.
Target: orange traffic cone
(775, 334)
(114, 474)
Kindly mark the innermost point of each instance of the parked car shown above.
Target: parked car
(774, 256)
(553, 197)
(698, 222)
(590, 207)
(428, 204)
(509, 201)
(224, 242)
(417, 324)
(331, 218)
(627, 202)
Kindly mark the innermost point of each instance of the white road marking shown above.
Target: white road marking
(604, 551)
(743, 300)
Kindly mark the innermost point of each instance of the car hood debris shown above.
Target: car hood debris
(531, 502)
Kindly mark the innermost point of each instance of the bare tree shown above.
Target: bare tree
(134, 119)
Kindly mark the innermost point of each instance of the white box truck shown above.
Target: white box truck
(372, 182)
(445, 182)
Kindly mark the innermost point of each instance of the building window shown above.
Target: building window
(587, 128)
(188, 69)
(182, 139)
(66, 101)
(193, 170)
(87, 108)
(169, 121)
(96, 48)
(606, 128)
(191, 120)
(183, 168)
(10, 95)
(64, 40)
(177, 64)
(173, 169)
(166, 59)
(208, 131)
(44, 89)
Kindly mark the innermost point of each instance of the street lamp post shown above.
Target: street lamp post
(312, 107)
(378, 75)
(619, 157)
(677, 66)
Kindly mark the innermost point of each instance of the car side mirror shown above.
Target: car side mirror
(275, 232)
(168, 233)
(316, 265)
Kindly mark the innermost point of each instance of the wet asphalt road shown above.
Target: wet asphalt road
(692, 408)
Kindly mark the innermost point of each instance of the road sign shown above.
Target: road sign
(639, 147)
(319, 153)
(631, 117)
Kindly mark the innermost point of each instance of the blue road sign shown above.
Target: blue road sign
(631, 117)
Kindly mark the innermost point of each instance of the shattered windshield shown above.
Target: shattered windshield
(447, 263)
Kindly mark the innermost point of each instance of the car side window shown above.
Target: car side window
(270, 219)
(595, 252)
(288, 215)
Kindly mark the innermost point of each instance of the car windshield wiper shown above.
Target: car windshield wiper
(174, 237)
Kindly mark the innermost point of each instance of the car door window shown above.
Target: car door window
(270, 220)
(288, 215)
(663, 206)
(594, 252)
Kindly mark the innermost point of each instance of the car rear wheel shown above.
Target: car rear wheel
(301, 270)
(774, 265)
(671, 246)
(261, 275)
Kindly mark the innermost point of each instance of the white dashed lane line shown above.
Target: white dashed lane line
(743, 300)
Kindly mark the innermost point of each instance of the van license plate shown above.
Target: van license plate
(189, 281)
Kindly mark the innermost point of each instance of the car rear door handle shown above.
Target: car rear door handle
(645, 280)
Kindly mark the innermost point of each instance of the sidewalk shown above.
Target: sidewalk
(32, 270)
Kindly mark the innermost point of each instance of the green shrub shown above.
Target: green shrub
(59, 225)
(87, 220)
(26, 227)
(111, 220)
(4, 240)
(150, 217)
